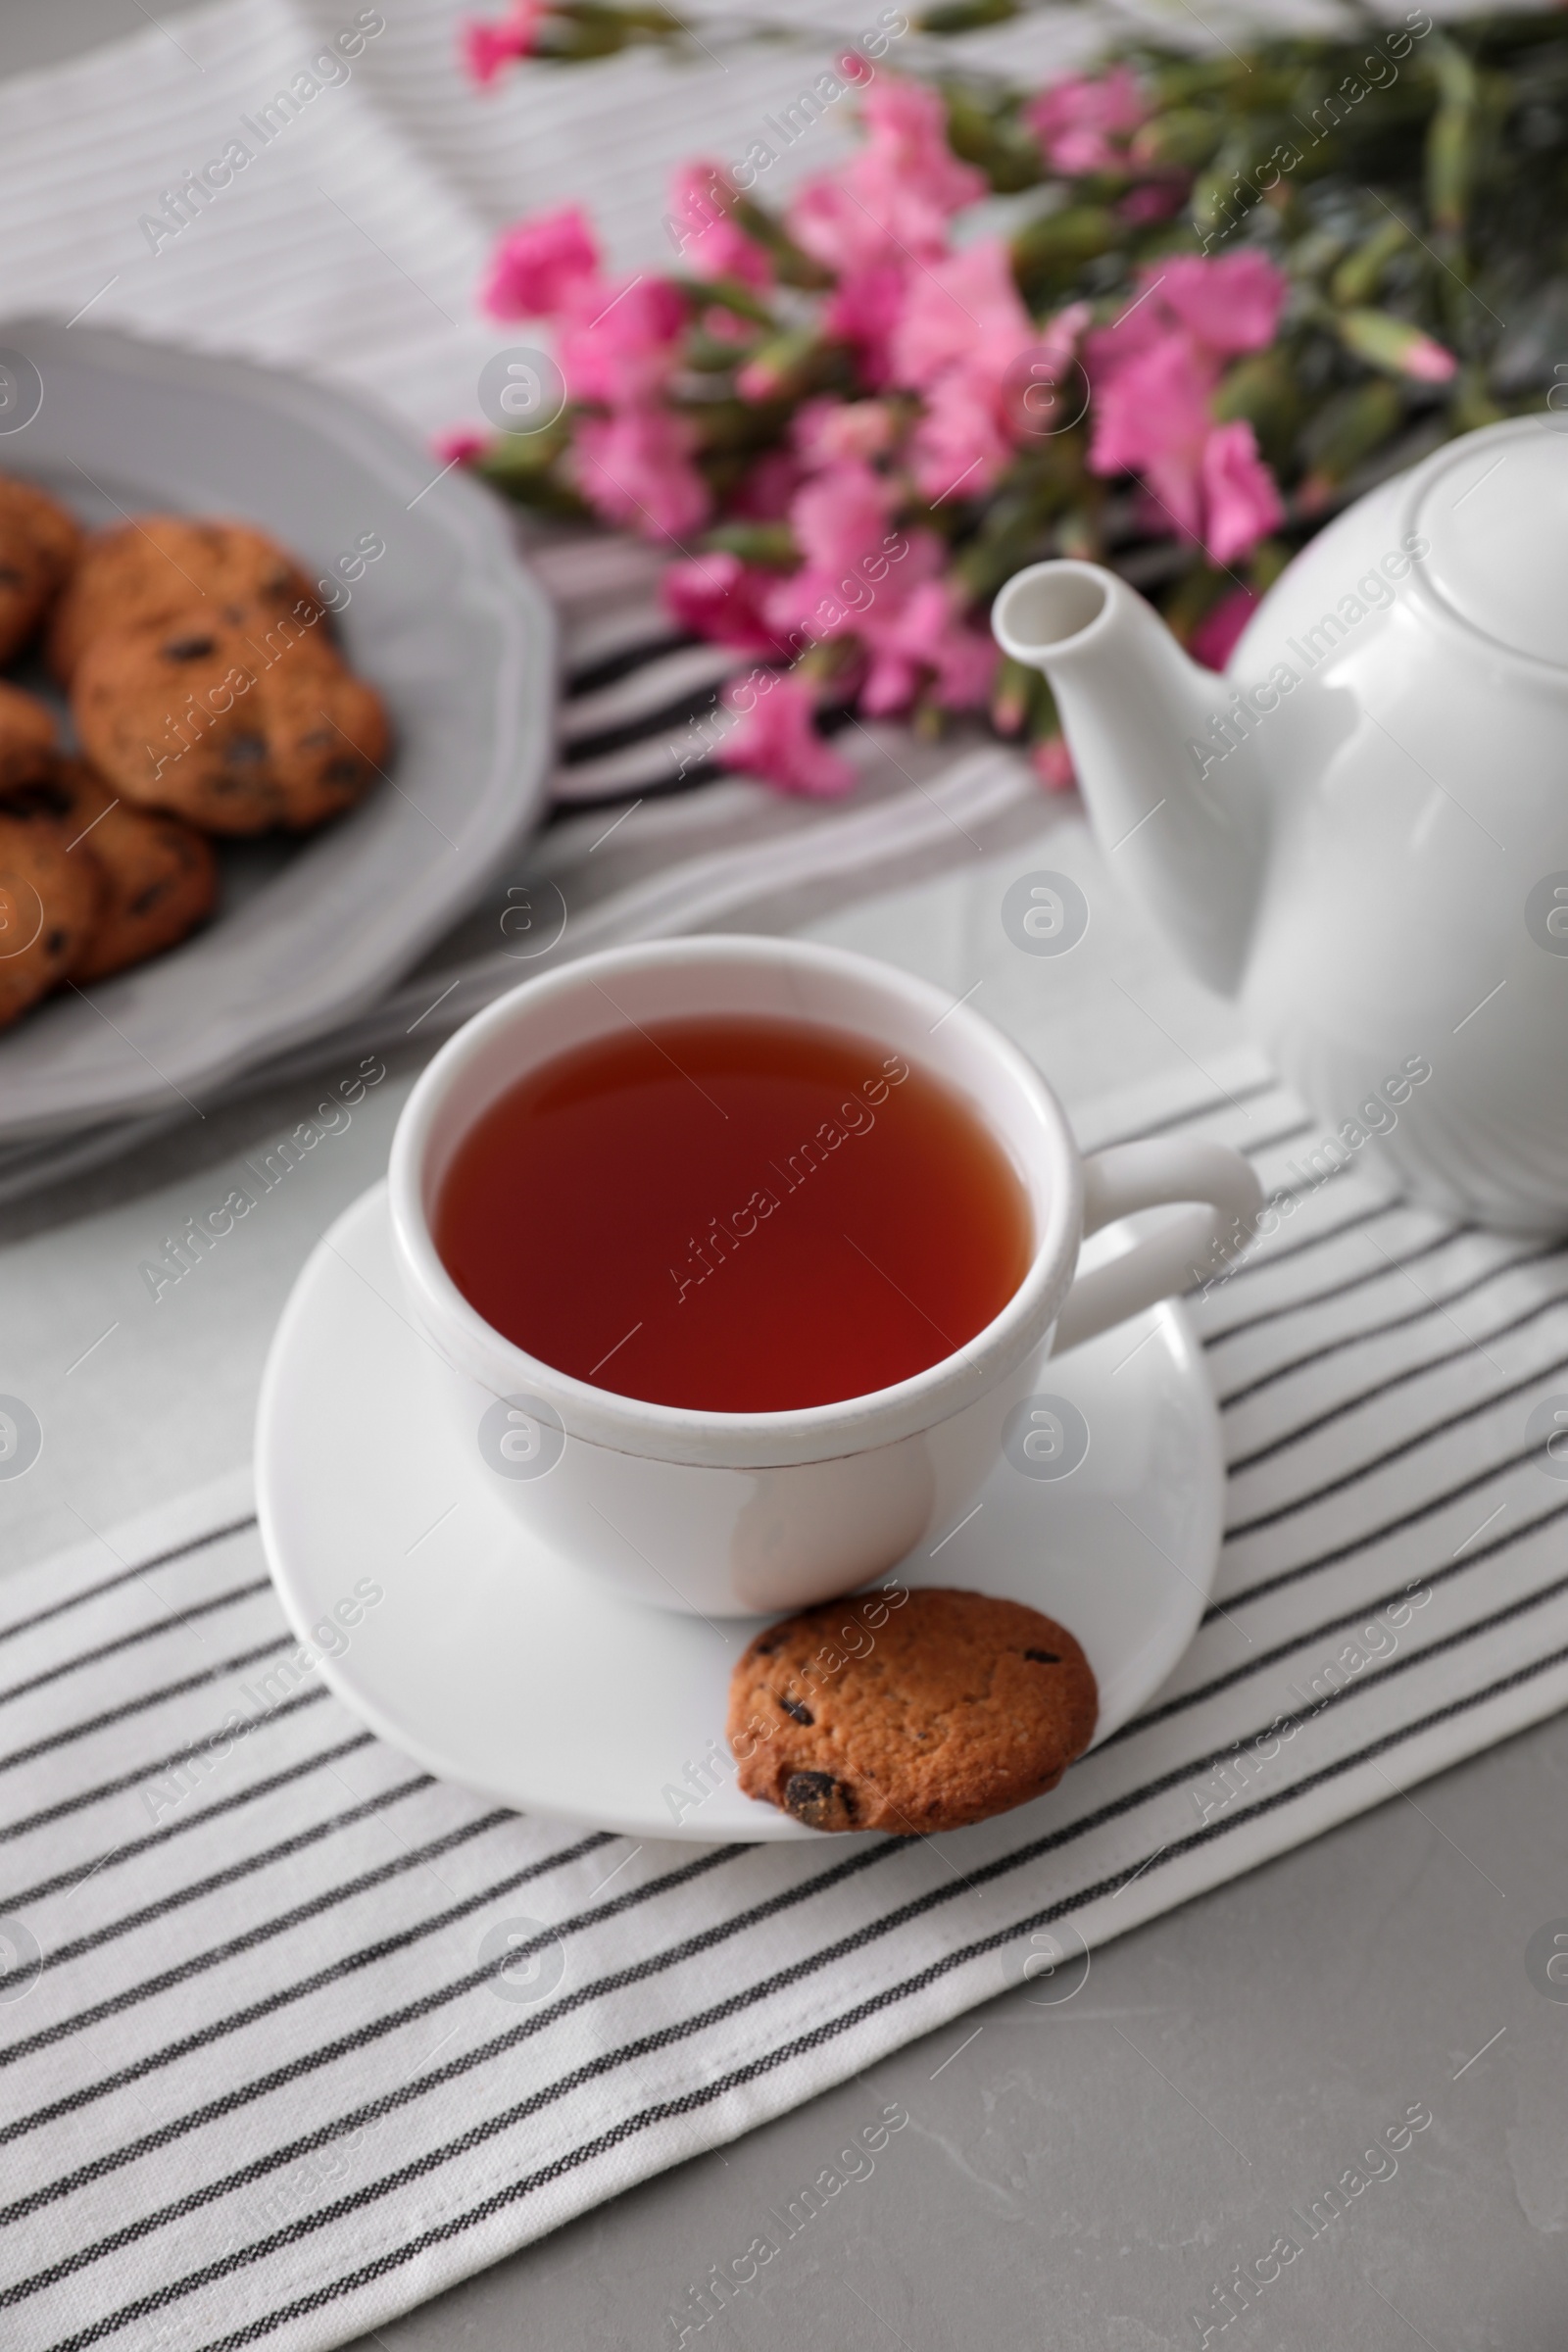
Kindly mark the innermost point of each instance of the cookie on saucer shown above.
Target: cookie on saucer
(951, 1706)
(155, 566)
(40, 543)
(159, 875)
(26, 737)
(49, 900)
(236, 725)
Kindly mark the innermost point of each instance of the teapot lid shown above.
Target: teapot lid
(1494, 508)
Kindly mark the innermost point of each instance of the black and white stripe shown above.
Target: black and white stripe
(265, 2084)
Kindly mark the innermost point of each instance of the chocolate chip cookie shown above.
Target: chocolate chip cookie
(159, 875)
(40, 543)
(49, 899)
(236, 725)
(27, 738)
(156, 566)
(909, 1710)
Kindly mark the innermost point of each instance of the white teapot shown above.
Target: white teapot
(1360, 831)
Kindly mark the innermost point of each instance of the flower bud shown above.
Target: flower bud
(1396, 346)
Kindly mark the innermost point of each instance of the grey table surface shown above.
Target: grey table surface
(1078, 2173)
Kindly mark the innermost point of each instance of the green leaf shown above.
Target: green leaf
(1263, 390)
(994, 138)
(1054, 247)
(1194, 598)
(769, 544)
(795, 267)
(1185, 135)
(1357, 277)
(793, 362)
(1265, 565)
(1472, 404)
(1011, 694)
(965, 16)
(1450, 140)
(1349, 426)
(726, 294)
(713, 355)
(522, 467)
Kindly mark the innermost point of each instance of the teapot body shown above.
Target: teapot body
(1406, 966)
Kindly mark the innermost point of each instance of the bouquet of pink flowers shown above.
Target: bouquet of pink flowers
(851, 419)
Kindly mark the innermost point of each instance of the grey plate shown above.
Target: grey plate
(448, 624)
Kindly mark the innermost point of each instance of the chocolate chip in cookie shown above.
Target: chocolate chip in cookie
(910, 1710)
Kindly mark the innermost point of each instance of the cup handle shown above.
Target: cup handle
(1186, 1249)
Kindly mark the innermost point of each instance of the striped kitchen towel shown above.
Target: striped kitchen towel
(264, 2083)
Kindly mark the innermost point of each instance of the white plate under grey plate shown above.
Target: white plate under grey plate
(448, 624)
(499, 1666)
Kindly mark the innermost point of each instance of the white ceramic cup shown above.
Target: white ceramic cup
(732, 1515)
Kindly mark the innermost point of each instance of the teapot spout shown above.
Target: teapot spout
(1137, 714)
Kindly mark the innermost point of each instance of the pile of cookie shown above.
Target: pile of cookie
(208, 698)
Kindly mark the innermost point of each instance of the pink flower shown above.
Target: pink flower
(720, 598)
(1076, 120)
(1154, 200)
(840, 521)
(1042, 393)
(966, 670)
(635, 467)
(1051, 763)
(962, 329)
(620, 347)
(827, 431)
(818, 603)
(924, 636)
(962, 441)
(1228, 305)
(1241, 501)
(840, 517)
(864, 309)
(538, 264)
(827, 222)
(1154, 375)
(769, 489)
(724, 326)
(1059, 333)
(1215, 639)
(776, 740)
(489, 45)
(962, 310)
(1231, 304)
(460, 445)
(1140, 327)
(907, 123)
(700, 203)
(1151, 418)
(895, 197)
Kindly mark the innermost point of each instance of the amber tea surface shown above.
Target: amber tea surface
(734, 1214)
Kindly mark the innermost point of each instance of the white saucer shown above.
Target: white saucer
(495, 1665)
